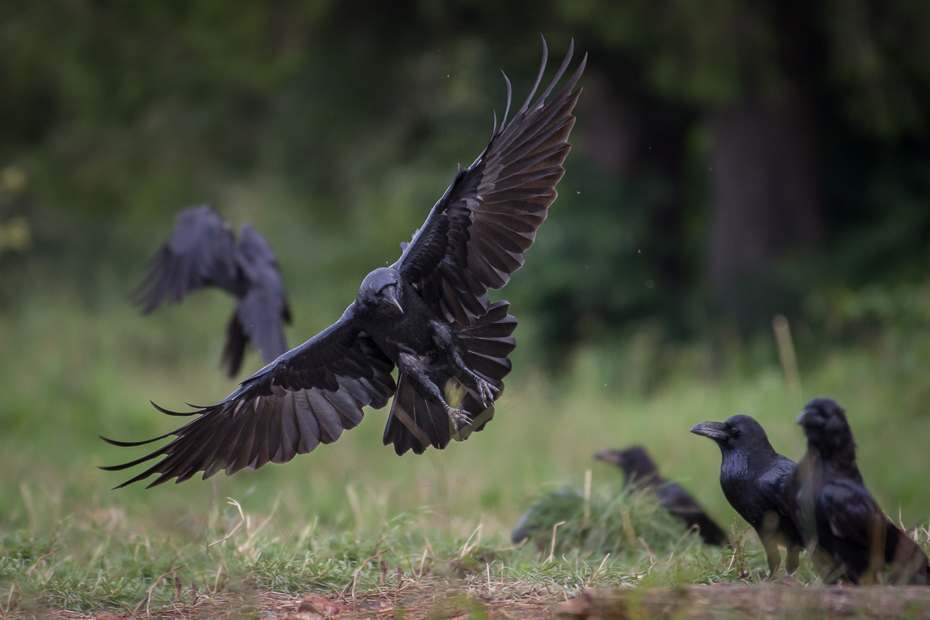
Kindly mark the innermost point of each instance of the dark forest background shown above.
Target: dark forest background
(733, 160)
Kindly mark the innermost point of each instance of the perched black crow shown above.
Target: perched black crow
(429, 314)
(837, 515)
(752, 475)
(202, 252)
(640, 472)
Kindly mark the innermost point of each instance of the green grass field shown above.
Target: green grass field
(74, 370)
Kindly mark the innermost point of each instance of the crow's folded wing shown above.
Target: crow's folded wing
(476, 235)
(851, 511)
(199, 253)
(308, 396)
(678, 501)
(772, 482)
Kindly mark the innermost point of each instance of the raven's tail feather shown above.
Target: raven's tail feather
(236, 340)
(488, 343)
(416, 423)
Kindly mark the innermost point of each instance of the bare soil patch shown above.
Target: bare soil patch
(693, 602)
(726, 600)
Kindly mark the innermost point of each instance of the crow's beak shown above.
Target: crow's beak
(714, 430)
(608, 455)
(391, 293)
(800, 419)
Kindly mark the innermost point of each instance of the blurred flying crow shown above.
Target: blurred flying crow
(837, 515)
(641, 473)
(752, 475)
(201, 252)
(428, 314)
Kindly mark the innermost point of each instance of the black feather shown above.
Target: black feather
(429, 314)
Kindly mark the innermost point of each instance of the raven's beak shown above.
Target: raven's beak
(713, 430)
(800, 419)
(608, 455)
(391, 293)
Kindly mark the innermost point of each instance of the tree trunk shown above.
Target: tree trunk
(636, 137)
(766, 198)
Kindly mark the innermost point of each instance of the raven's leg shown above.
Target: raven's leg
(415, 368)
(487, 391)
(792, 558)
(772, 555)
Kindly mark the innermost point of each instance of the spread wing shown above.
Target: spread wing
(263, 308)
(198, 253)
(476, 235)
(308, 396)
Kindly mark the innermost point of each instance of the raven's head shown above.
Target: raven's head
(634, 461)
(740, 432)
(381, 288)
(824, 423)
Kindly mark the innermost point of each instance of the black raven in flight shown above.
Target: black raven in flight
(201, 252)
(836, 514)
(641, 473)
(752, 475)
(429, 314)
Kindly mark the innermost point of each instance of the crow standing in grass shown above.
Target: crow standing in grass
(837, 515)
(201, 252)
(641, 473)
(428, 314)
(752, 475)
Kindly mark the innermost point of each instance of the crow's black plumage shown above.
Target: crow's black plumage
(201, 252)
(836, 514)
(641, 473)
(429, 314)
(752, 475)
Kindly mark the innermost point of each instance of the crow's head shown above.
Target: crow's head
(381, 288)
(740, 432)
(634, 461)
(824, 423)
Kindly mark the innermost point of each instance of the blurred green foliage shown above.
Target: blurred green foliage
(344, 121)
(604, 524)
(333, 127)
